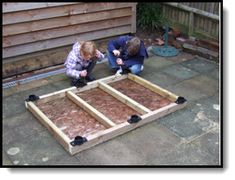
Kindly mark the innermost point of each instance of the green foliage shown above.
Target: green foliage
(149, 16)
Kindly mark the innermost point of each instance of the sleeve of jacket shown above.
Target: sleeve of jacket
(117, 43)
(101, 55)
(71, 66)
(134, 60)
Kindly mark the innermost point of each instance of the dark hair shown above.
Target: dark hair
(133, 46)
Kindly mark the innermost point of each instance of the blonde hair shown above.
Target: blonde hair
(88, 48)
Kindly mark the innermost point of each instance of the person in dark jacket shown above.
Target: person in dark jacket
(126, 52)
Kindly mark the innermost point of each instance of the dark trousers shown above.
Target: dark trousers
(89, 69)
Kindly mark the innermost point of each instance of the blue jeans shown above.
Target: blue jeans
(135, 69)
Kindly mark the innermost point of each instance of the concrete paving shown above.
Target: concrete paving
(190, 136)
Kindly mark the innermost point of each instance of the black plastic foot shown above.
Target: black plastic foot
(180, 100)
(134, 119)
(78, 140)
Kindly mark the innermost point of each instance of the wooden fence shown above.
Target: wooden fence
(34, 27)
(198, 19)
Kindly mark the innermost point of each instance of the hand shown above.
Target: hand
(119, 61)
(83, 73)
(116, 53)
(98, 55)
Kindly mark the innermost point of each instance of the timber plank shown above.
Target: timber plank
(64, 31)
(113, 129)
(59, 11)
(46, 24)
(63, 41)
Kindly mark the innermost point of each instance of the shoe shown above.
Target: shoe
(78, 83)
(90, 78)
(142, 68)
(119, 71)
(114, 70)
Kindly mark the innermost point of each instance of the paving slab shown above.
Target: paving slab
(207, 85)
(101, 70)
(15, 104)
(180, 72)
(20, 127)
(132, 148)
(181, 57)
(208, 108)
(198, 87)
(184, 124)
(5, 159)
(157, 62)
(38, 149)
(161, 79)
(203, 151)
(200, 65)
(215, 73)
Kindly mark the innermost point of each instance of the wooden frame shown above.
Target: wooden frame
(113, 129)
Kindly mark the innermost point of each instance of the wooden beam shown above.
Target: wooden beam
(89, 109)
(56, 132)
(90, 85)
(12, 7)
(133, 18)
(123, 98)
(30, 37)
(65, 21)
(113, 78)
(119, 129)
(59, 11)
(63, 41)
(153, 87)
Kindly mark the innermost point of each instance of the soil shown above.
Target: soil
(140, 94)
(114, 109)
(70, 118)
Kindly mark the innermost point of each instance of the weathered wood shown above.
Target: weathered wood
(11, 7)
(63, 21)
(56, 132)
(194, 10)
(60, 11)
(197, 17)
(133, 18)
(191, 23)
(33, 62)
(119, 129)
(89, 109)
(113, 129)
(63, 41)
(203, 52)
(90, 85)
(153, 87)
(64, 31)
(123, 98)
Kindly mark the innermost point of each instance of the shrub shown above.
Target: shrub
(149, 16)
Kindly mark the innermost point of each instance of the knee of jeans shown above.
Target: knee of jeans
(135, 70)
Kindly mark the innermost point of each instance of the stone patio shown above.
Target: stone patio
(190, 136)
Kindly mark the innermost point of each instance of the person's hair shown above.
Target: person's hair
(88, 48)
(133, 46)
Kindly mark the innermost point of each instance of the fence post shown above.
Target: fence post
(191, 23)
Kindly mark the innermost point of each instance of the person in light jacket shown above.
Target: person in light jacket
(81, 61)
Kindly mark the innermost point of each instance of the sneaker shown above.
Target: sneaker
(142, 68)
(119, 71)
(78, 83)
(90, 78)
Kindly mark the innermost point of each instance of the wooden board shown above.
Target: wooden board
(80, 118)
